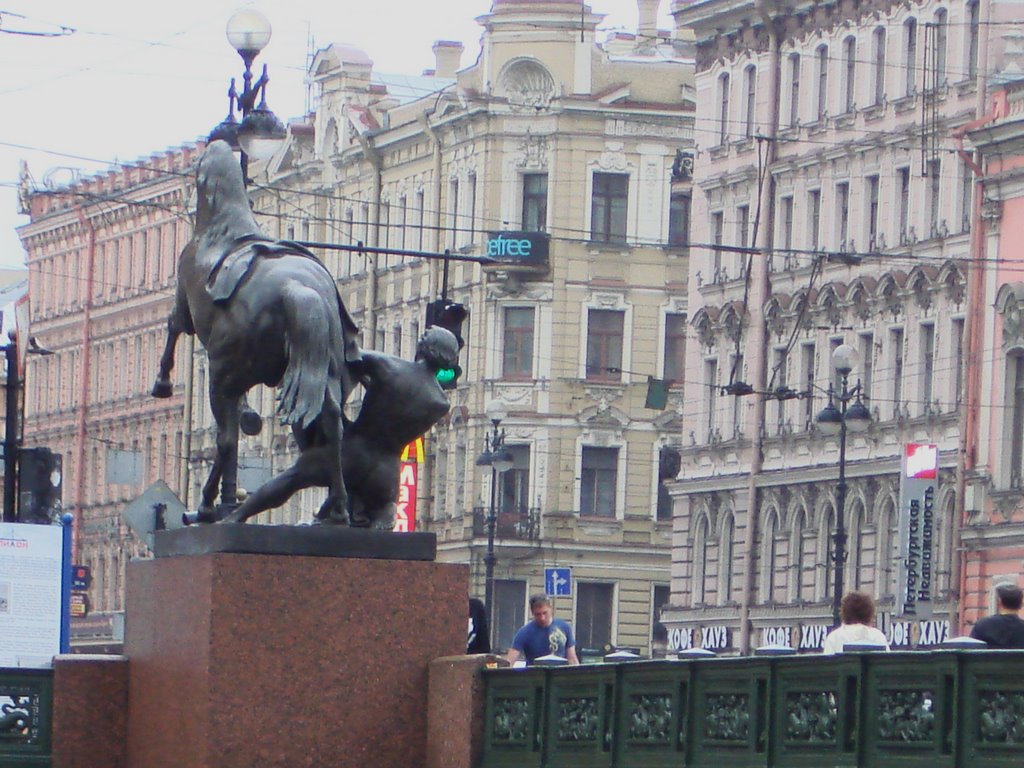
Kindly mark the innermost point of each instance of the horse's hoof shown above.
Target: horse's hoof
(250, 422)
(200, 517)
(162, 389)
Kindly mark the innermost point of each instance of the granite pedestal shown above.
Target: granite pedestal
(241, 660)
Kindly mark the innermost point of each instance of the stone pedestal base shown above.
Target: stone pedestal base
(241, 660)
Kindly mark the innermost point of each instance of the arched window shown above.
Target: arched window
(878, 43)
(909, 56)
(1015, 395)
(973, 29)
(821, 57)
(699, 558)
(723, 108)
(725, 560)
(941, 39)
(796, 557)
(769, 551)
(849, 73)
(826, 546)
(853, 575)
(888, 545)
(794, 89)
(750, 107)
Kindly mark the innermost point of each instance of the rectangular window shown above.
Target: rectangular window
(814, 218)
(934, 189)
(850, 70)
(743, 226)
(396, 340)
(599, 479)
(1016, 365)
(822, 59)
(966, 199)
(509, 613)
(675, 346)
(668, 470)
(717, 235)
(786, 216)
(779, 374)
(608, 207)
(453, 207)
(679, 220)
(384, 231)
(879, 64)
(927, 364)
(867, 355)
(711, 393)
(517, 350)
(958, 359)
(903, 183)
(661, 597)
(403, 213)
(910, 56)
(794, 90)
(514, 484)
(421, 222)
(973, 26)
(843, 214)
(604, 344)
(472, 210)
(594, 615)
(872, 212)
(535, 202)
(737, 402)
(750, 108)
(807, 378)
(896, 337)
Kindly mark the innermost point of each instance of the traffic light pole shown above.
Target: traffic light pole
(11, 433)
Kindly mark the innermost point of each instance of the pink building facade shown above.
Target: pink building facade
(102, 256)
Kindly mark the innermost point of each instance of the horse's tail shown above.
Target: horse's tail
(312, 344)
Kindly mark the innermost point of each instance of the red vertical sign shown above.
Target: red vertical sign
(405, 516)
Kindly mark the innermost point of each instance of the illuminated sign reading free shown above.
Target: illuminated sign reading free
(527, 248)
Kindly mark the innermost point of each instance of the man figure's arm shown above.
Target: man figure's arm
(570, 654)
(513, 655)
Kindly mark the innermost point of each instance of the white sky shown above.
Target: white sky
(138, 77)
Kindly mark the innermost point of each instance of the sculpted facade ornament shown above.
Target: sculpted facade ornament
(527, 85)
(1010, 305)
(533, 151)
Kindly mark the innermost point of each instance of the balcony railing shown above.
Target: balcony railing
(522, 524)
(26, 712)
(945, 708)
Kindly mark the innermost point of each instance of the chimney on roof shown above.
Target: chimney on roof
(647, 28)
(447, 55)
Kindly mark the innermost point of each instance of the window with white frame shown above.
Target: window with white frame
(514, 484)
(973, 29)
(535, 202)
(896, 342)
(910, 56)
(849, 73)
(594, 609)
(609, 206)
(599, 480)
(821, 60)
(605, 329)
(814, 219)
(1015, 391)
(903, 206)
(934, 171)
(941, 41)
(872, 184)
(675, 347)
(878, 64)
(679, 220)
(843, 215)
(750, 105)
(794, 90)
(517, 343)
(723, 108)
(927, 365)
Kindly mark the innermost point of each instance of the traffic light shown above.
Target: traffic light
(447, 314)
(39, 485)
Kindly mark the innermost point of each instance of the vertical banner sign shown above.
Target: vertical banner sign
(405, 515)
(35, 580)
(918, 490)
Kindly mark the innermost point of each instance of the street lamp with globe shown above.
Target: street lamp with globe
(496, 456)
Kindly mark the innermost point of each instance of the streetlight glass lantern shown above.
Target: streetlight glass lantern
(502, 460)
(858, 417)
(496, 411)
(830, 420)
(845, 359)
(261, 134)
(248, 31)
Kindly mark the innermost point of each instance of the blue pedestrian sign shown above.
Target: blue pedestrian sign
(558, 582)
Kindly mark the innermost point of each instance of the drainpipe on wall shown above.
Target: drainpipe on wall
(973, 335)
(760, 288)
(83, 393)
(374, 158)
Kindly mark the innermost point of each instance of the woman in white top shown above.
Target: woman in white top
(857, 613)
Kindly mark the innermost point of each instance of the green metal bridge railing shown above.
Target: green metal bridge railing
(26, 711)
(941, 708)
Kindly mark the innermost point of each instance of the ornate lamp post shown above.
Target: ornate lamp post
(500, 460)
(850, 415)
(260, 133)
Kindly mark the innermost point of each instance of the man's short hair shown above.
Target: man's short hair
(539, 600)
(1010, 596)
(857, 608)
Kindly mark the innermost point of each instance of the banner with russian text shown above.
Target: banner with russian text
(918, 493)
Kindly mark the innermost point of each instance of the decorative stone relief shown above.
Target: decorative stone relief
(533, 151)
(527, 85)
(613, 158)
(906, 716)
(511, 720)
(650, 718)
(727, 717)
(1001, 717)
(811, 716)
(578, 719)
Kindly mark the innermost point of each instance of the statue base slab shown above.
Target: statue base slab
(313, 540)
(240, 660)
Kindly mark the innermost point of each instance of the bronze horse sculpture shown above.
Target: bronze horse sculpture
(267, 312)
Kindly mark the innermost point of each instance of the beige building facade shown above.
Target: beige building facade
(825, 145)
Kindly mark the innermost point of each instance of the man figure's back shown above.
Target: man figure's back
(1006, 628)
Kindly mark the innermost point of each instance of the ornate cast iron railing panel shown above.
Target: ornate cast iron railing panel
(26, 709)
(877, 710)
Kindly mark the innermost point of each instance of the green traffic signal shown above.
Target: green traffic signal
(446, 375)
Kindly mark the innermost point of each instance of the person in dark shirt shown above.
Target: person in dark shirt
(1006, 628)
(478, 640)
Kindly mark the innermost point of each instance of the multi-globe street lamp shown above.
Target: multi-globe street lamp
(496, 456)
(850, 415)
(260, 133)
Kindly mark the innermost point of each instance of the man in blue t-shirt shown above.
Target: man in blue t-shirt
(543, 636)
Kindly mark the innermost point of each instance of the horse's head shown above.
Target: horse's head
(220, 188)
